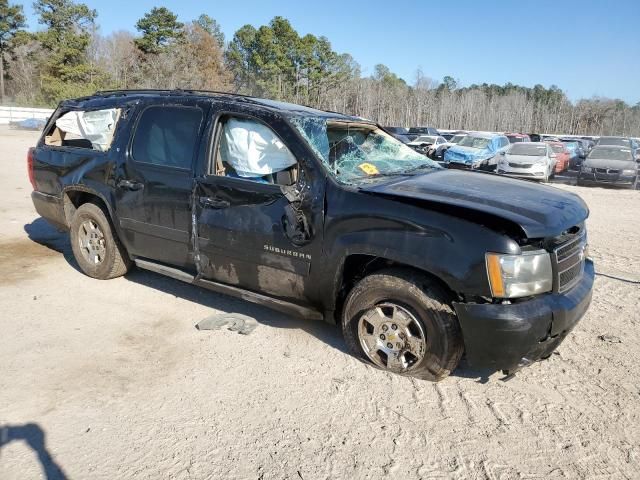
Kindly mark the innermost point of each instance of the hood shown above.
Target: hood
(539, 210)
(524, 158)
(467, 154)
(607, 163)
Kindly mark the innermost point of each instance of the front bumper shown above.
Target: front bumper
(606, 179)
(508, 337)
(521, 172)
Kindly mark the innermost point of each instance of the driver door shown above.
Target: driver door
(252, 231)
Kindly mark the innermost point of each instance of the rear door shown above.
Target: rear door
(258, 231)
(153, 190)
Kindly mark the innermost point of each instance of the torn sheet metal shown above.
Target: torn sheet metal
(96, 126)
(253, 149)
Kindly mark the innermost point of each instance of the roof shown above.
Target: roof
(112, 97)
(484, 134)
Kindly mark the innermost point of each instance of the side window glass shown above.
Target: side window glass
(250, 150)
(92, 129)
(167, 136)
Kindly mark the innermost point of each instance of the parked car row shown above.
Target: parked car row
(599, 160)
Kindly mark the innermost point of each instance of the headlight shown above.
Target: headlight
(629, 172)
(513, 276)
(587, 170)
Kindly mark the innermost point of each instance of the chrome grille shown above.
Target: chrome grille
(569, 262)
(607, 170)
(520, 165)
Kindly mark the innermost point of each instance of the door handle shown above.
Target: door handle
(130, 184)
(214, 202)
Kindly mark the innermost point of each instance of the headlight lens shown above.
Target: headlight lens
(629, 172)
(513, 276)
(587, 170)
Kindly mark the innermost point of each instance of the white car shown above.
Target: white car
(533, 160)
(424, 143)
(437, 151)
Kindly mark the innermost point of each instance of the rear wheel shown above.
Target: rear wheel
(401, 321)
(95, 246)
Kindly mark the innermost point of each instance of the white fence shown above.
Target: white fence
(13, 114)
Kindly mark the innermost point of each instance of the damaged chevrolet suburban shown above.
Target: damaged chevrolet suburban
(319, 215)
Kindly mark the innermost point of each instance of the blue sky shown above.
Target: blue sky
(588, 47)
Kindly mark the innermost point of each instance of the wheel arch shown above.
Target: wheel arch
(356, 266)
(73, 196)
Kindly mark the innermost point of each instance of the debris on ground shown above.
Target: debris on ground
(235, 322)
(610, 338)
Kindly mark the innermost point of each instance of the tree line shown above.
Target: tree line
(66, 56)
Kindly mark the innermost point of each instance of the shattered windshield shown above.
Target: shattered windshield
(474, 142)
(355, 152)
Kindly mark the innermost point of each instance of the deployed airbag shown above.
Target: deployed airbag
(252, 149)
(96, 126)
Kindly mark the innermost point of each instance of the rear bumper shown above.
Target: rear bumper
(508, 337)
(50, 207)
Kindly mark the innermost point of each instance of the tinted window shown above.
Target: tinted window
(167, 136)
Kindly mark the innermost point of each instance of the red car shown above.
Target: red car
(517, 137)
(563, 157)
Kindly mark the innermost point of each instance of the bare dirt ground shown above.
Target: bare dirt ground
(110, 379)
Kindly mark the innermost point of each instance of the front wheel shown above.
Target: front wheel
(95, 245)
(401, 321)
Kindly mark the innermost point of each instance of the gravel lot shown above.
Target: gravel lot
(110, 379)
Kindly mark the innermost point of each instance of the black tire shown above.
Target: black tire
(429, 304)
(115, 262)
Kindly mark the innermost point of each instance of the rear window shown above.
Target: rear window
(90, 129)
(167, 136)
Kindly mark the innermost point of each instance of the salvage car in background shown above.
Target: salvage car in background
(414, 132)
(319, 215)
(399, 133)
(476, 151)
(532, 160)
(574, 152)
(562, 156)
(424, 143)
(610, 165)
(617, 141)
(437, 152)
(517, 137)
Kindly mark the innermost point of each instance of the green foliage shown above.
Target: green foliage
(160, 28)
(212, 27)
(65, 40)
(274, 61)
(11, 23)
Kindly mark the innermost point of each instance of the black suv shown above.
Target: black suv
(321, 215)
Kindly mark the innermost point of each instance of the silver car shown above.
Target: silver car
(533, 160)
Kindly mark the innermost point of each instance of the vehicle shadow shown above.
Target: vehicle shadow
(33, 435)
(327, 333)
(41, 232)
